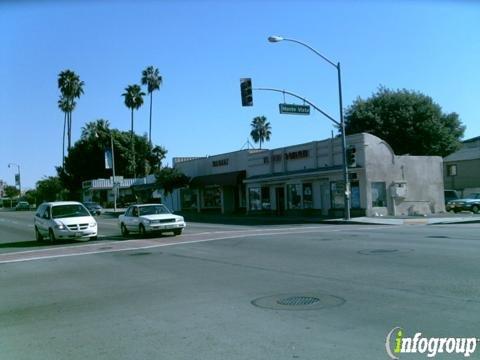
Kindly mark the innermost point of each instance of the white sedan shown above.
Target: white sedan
(147, 218)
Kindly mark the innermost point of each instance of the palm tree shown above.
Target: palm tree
(261, 130)
(66, 106)
(71, 87)
(96, 129)
(152, 78)
(133, 100)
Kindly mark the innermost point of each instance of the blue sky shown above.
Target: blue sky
(203, 48)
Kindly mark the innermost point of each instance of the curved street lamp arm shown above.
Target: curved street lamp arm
(301, 98)
(312, 49)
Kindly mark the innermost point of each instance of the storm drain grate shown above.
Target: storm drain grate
(298, 300)
(438, 237)
(140, 253)
(305, 301)
(383, 251)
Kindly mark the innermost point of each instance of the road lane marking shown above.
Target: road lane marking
(128, 245)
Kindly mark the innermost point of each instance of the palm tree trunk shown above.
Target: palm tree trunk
(150, 128)
(69, 121)
(63, 139)
(132, 148)
(260, 143)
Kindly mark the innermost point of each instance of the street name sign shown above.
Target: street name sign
(294, 109)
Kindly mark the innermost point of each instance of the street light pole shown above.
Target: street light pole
(114, 189)
(275, 39)
(113, 171)
(19, 177)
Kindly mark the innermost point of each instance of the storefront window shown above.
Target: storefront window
(266, 198)
(294, 197)
(189, 199)
(212, 197)
(379, 194)
(337, 194)
(254, 198)
(355, 194)
(307, 196)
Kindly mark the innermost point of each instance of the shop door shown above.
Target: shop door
(280, 200)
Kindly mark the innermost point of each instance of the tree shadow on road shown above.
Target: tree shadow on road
(34, 243)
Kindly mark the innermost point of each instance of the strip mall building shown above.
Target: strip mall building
(308, 179)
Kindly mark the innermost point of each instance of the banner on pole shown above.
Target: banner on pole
(108, 159)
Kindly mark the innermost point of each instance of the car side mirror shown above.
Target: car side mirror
(46, 216)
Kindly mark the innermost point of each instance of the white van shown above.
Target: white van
(64, 220)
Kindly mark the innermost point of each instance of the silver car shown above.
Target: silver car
(64, 220)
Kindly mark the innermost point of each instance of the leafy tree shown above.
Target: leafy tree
(11, 191)
(86, 159)
(133, 98)
(48, 189)
(261, 130)
(71, 88)
(170, 179)
(410, 122)
(30, 196)
(152, 78)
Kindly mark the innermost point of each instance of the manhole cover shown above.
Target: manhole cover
(140, 253)
(298, 300)
(309, 301)
(383, 251)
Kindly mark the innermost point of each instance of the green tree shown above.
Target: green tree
(410, 122)
(152, 78)
(169, 179)
(86, 158)
(71, 88)
(261, 130)
(133, 99)
(30, 196)
(11, 191)
(48, 189)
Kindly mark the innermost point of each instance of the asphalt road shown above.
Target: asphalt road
(217, 291)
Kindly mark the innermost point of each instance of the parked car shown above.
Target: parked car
(22, 205)
(147, 218)
(450, 195)
(470, 203)
(93, 207)
(64, 220)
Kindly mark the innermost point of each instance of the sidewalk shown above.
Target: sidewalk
(436, 219)
(241, 219)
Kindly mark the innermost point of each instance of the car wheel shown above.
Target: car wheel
(475, 209)
(141, 230)
(38, 236)
(51, 235)
(177, 232)
(124, 230)
(94, 238)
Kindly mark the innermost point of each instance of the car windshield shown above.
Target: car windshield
(153, 210)
(73, 210)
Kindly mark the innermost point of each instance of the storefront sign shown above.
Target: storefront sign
(293, 155)
(222, 162)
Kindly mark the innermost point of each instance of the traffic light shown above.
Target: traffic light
(351, 156)
(246, 91)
